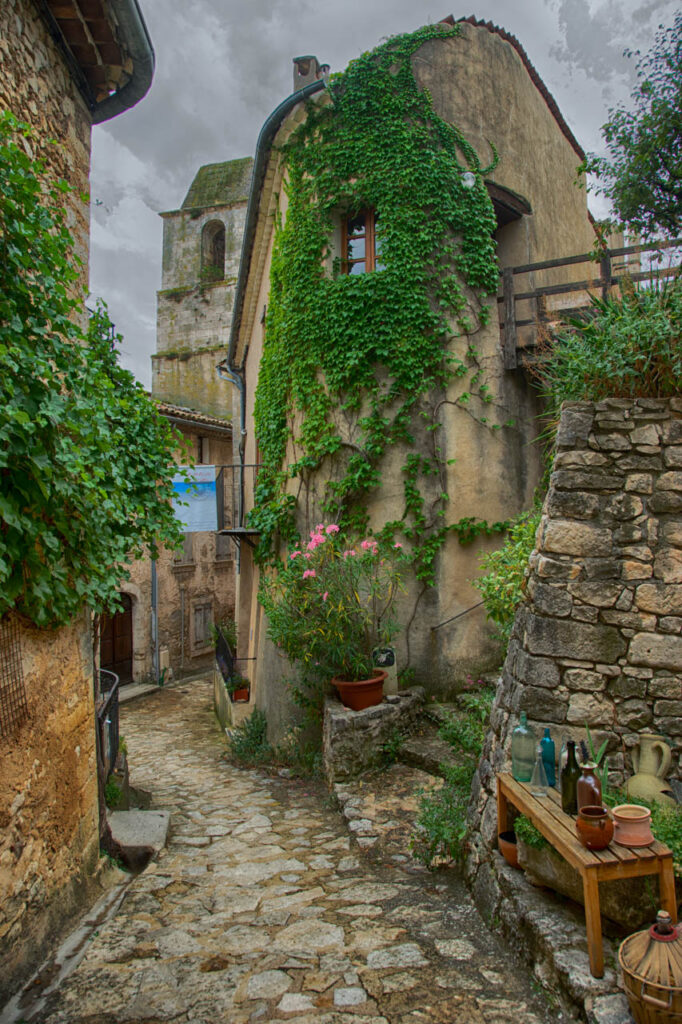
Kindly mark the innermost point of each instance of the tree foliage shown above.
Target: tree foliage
(85, 460)
(642, 174)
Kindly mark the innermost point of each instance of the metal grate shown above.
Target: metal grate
(13, 705)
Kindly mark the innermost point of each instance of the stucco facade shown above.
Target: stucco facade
(481, 81)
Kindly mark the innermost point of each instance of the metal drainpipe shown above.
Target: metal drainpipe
(182, 629)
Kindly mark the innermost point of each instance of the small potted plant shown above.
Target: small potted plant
(238, 688)
(330, 606)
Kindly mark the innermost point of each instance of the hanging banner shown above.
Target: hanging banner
(199, 512)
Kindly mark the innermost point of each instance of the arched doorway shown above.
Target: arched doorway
(116, 641)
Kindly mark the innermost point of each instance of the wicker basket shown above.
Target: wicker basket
(652, 972)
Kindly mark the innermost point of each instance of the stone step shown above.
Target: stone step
(426, 750)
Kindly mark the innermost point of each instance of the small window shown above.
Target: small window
(202, 620)
(361, 240)
(202, 451)
(223, 548)
(185, 556)
(213, 251)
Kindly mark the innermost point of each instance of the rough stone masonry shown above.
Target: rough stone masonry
(597, 640)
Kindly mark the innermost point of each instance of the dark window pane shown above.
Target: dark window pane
(356, 225)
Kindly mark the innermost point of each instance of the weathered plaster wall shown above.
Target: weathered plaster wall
(189, 379)
(184, 583)
(597, 640)
(37, 87)
(49, 835)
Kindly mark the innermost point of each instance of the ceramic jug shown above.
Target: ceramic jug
(651, 761)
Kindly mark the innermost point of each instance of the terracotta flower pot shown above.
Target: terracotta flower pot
(632, 825)
(594, 827)
(239, 696)
(506, 843)
(361, 693)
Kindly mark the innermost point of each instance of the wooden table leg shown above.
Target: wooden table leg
(666, 882)
(593, 923)
(502, 809)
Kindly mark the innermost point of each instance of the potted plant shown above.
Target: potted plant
(331, 605)
(238, 688)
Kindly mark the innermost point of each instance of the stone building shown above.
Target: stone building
(195, 586)
(201, 244)
(482, 81)
(65, 67)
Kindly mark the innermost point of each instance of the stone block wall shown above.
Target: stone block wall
(352, 740)
(598, 638)
(49, 825)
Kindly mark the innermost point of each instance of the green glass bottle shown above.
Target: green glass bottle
(570, 774)
(523, 748)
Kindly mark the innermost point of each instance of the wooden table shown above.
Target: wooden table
(594, 866)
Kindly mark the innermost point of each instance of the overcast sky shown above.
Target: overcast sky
(223, 65)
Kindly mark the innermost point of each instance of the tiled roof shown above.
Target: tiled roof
(180, 412)
(220, 184)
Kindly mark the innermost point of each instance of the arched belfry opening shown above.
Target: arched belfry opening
(213, 251)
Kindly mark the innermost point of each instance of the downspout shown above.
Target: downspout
(141, 51)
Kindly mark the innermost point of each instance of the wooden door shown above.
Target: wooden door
(116, 641)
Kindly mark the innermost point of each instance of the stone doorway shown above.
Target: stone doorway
(116, 641)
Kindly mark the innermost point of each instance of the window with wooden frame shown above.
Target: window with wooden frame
(361, 242)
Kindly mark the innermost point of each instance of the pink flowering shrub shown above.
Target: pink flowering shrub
(328, 612)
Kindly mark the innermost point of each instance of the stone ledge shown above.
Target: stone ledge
(352, 740)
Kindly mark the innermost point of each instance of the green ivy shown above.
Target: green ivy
(375, 349)
(86, 461)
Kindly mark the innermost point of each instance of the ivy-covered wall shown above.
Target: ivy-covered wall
(380, 399)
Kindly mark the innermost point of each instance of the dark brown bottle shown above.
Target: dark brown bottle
(570, 774)
(588, 788)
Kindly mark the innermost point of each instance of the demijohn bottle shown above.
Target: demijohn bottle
(523, 747)
(569, 781)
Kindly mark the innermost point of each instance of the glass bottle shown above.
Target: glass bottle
(569, 781)
(538, 782)
(588, 788)
(523, 746)
(548, 757)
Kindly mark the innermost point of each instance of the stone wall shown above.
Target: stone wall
(353, 740)
(37, 87)
(597, 640)
(49, 834)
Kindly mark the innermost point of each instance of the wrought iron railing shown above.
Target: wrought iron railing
(233, 484)
(107, 721)
(611, 267)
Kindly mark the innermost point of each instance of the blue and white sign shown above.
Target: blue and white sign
(200, 513)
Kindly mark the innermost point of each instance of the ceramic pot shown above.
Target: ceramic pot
(240, 696)
(651, 762)
(632, 825)
(506, 844)
(361, 693)
(594, 827)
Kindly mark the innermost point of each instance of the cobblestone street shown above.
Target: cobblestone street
(263, 908)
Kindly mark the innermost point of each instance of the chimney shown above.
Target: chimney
(308, 69)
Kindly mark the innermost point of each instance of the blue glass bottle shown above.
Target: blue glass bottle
(548, 757)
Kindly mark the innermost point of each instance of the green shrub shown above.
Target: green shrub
(502, 581)
(527, 832)
(248, 743)
(112, 793)
(441, 826)
(624, 347)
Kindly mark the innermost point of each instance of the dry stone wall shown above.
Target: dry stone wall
(598, 638)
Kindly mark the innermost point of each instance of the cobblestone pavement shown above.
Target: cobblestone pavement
(263, 908)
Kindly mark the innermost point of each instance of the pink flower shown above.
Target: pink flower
(332, 528)
(306, 554)
(349, 553)
(319, 528)
(309, 572)
(397, 545)
(294, 554)
(370, 545)
(317, 539)
(325, 595)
